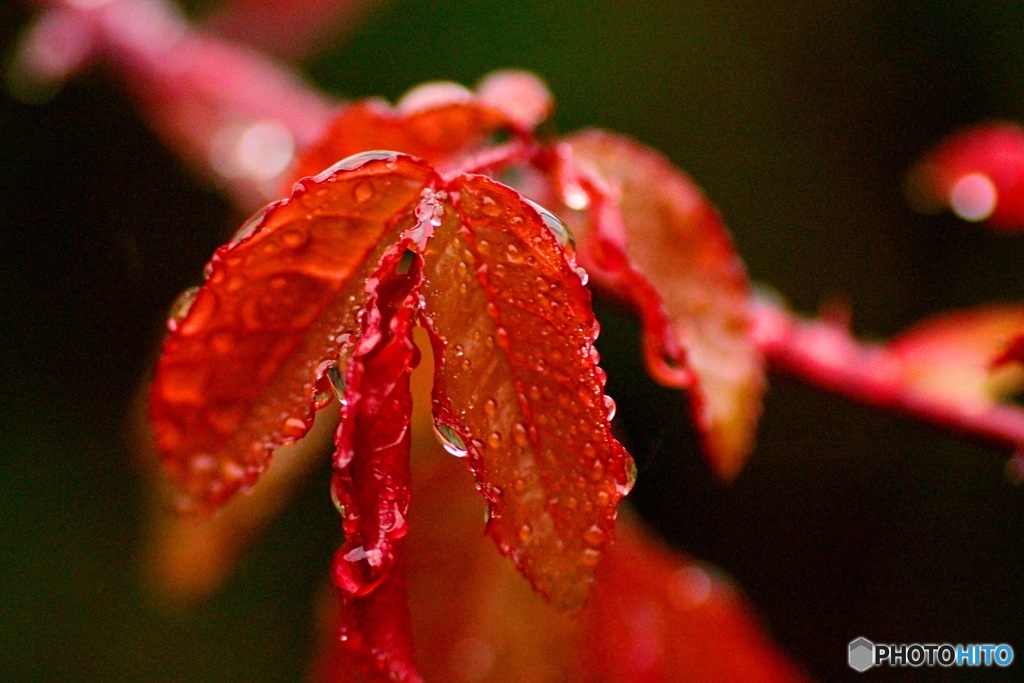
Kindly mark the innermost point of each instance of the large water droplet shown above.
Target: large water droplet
(357, 161)
(359, 571)
(450, 440)
(609, 407)
(555, 225)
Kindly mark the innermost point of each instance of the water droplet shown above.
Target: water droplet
(180, 308)
(584, 278)
(555, 225)
(450, 440)
(490, 207)
(590, 557)
(294, 428)
(358, 571)
(357, 161)
(609, 407)
(501, 338)
(519, 434)
(490, 405)
(603, 499)
(494, 440)
(525, 532)
(336, 499)
(513, 254)
(623, 489)
(363, 191)
(595, 535)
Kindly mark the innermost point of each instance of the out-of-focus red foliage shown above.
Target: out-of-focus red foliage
(978, 173)
(438, 122)
(955, 355)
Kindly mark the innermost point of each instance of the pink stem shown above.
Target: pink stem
(826, 355)
(219, 105)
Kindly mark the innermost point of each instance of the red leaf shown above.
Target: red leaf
(978, 173)
(372, 480)
(951, 356)
(517, 384)
(659, 617)
(664, 246)
(237, 374)
(439, 122)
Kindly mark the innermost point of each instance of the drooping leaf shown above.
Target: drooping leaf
(237, 375)
(517, 385)
(372, 480)
(951, 356)
(978, 173)
(667, 249)
(438, 122)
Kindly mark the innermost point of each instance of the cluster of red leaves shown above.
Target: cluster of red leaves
(317, 295)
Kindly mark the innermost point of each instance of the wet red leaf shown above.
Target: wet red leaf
(372, 479)
(978, 173)
(952, 356)
(237, 375)
(663, 245)
(517, 384)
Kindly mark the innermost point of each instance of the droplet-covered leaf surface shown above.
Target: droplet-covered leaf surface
(678, 248)
(517, 383)
(237, 374)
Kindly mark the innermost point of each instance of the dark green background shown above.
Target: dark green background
(798, 118)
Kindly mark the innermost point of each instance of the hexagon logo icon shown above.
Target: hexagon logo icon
(862, 654)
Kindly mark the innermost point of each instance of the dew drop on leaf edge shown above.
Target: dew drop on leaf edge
(450, 440)
(555, 226)
(180, 308)
(356, 161)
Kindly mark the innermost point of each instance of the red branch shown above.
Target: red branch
(826, 355)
